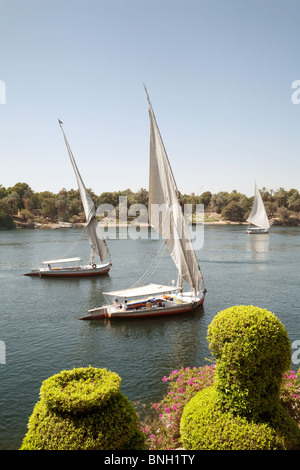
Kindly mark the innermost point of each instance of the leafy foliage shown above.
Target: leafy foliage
(206, 426)
(253, 351)
(83, 409)
(161, 425)
(66, 205)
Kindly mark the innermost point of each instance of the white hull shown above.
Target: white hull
(72, 271)
(173, 304)
(257, 230)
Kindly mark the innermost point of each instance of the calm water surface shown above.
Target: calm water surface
(42, 335)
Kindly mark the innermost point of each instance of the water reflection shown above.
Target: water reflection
(258, 245)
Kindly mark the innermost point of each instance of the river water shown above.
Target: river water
(40, 333)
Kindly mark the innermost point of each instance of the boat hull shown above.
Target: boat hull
(71, 272)
(173, 308)
(257, 231)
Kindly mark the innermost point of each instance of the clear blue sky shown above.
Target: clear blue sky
(219, 74)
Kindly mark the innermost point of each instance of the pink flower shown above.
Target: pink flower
(181, 390)
(165, 379)
(190, 381)
(174, 407)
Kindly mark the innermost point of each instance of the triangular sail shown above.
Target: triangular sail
(258, 215)
(163, 194)
(97, 243)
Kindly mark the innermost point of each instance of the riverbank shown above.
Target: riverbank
(22, 224)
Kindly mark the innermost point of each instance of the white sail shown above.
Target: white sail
(97, 243)
(258, 215)
(172, 226)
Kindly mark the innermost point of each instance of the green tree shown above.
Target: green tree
(48, 208)
(23, 190)
(3, 192)
(293, 200)
(13, 202)
(61, 204)
(233, 211)
(205, 198)
(280, 197)
(141, 197)
(219, 201)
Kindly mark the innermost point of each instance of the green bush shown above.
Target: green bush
(83, 409)
(205, 426)
(6, 221)
(252, 351)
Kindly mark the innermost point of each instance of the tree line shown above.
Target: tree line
(42, 207)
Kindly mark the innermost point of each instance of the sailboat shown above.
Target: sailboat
(156, 299)
(258, 215)
(71, 267)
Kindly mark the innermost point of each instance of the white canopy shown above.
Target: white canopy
(64, 260)
(149, 289)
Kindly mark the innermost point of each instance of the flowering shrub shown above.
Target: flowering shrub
(290, 394)
(162, 427)
(242, 409)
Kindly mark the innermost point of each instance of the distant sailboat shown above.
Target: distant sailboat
(154, 300)
(64, 267)
(258, 215)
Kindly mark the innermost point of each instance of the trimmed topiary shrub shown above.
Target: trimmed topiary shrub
(83, 409)
(252, 351)
(205, 426)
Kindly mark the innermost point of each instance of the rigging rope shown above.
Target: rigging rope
(74, 244)
(147, 273)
